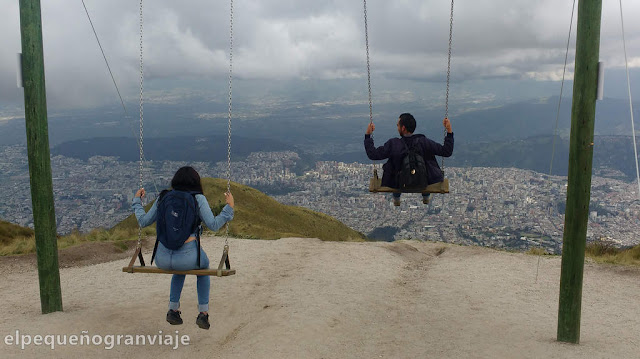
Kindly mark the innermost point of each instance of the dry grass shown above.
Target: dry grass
(9, 231)
(606, 252)
(24, 245)
(537, 251)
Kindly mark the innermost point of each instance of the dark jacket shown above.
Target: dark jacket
(395, 151)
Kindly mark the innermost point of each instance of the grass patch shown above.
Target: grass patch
(18, 245)
(10, 231)
(537, 251)
(603, 252)
(606, 252)
(24, 245)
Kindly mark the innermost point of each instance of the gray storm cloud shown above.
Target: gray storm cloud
(294, 39)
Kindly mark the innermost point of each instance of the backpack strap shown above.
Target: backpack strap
(155, 246)
(197, 227)
(407, 148)
(412, 144)
(404, 142)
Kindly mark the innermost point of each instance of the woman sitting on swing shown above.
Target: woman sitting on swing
(186, 256)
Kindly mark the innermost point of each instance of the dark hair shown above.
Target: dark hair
(186, 179)
(407, 120)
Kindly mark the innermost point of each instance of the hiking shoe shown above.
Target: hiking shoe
(203, 321)
(426, 199)
(173, 317)
(396, 202)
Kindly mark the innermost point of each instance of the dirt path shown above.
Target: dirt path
(304, 298)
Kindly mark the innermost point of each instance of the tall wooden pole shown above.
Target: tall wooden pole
(35, 106)
(580, 166)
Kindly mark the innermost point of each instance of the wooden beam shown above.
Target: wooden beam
(580, 167)
(35, 108)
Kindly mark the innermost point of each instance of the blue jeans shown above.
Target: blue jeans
(185, 258)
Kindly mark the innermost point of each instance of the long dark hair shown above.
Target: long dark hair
(186, 179)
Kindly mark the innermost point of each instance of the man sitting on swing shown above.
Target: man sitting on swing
(395, 149)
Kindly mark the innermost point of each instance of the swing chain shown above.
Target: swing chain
(366, 40)
(226, 239)
(141, 114)
(446, 100)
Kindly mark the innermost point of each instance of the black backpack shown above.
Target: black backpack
(413, 172)
(177, 218)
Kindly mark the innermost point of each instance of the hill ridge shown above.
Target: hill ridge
(259, 216)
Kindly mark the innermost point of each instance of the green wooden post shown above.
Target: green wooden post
(35, 106)
(580, 166)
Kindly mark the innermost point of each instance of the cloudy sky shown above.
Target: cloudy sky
(187, 42)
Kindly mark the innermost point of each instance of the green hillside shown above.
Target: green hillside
(256, 216)
(10, 231)
(260, 216)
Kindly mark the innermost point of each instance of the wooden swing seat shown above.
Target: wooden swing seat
(224, 268)
(375, 186)
(146, 269)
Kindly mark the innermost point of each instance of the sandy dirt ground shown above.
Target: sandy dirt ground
(304, 298)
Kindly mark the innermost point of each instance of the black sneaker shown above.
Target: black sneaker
(173, 317)
(203, 321)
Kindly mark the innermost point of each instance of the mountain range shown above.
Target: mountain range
(508, 135)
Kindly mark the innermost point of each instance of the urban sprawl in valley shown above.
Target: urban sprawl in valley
(496, 207)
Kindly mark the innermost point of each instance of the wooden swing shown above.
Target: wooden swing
(220, 272)
(375, 186)
(224, 268)
(375, 183)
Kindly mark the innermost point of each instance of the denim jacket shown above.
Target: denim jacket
(206, 215)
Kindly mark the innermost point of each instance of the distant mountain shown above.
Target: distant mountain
(536, 118)
(533, 153)
(328, 127)
(513, 135)
(260, 216)
(609, 152)
(183, 148)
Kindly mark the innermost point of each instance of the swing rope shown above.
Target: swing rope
(115, 84)
(105, 57)
(564, 70)
(633, 131)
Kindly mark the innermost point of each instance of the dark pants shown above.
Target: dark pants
(397, 195)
